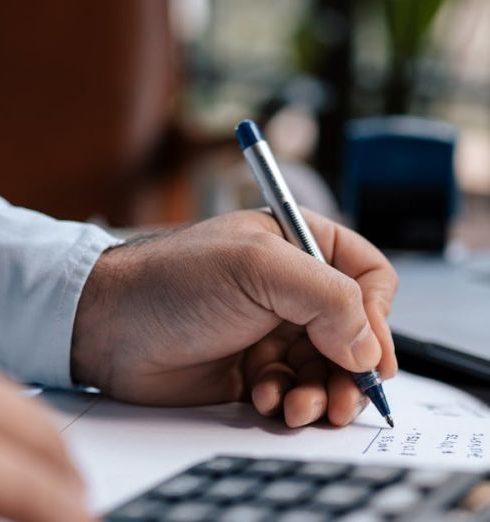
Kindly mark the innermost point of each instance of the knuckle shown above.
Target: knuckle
(395, 279)
(252, 262)
(256, 248)
(350, 295)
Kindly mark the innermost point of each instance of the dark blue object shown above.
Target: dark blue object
(247, 133)
(399, 185)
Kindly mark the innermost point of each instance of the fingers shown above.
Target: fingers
(270, 388)
(29, 424)
(307, 401)
(42, 483)
(291, 379)
(388, 365)
(298, 382)
(371, 283)
(359, 259)
(356, 257)
(35, 492)
(346, 402)
(268, 377)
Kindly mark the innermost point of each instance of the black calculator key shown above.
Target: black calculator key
(220, 465)
(304, 515)
(428, 478)
(246, 513)
(376, 475)
(140, 509)
(191, 511)
(271, 467)
(396, 500)
(232, 488)
(362, 516)
(341, 496)
(322, 470)
(284, 491)
(181, 486)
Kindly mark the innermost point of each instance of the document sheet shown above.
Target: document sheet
(123, 449)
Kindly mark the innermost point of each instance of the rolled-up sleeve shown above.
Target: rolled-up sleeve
(44, 264)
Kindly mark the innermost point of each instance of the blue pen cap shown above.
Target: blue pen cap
(247, 133)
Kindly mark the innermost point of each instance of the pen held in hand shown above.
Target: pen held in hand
(278, 197)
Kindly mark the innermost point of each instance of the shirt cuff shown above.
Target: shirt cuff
(78, 267)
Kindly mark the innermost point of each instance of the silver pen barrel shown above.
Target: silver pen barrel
(279, 198)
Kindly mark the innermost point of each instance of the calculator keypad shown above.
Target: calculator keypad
(238, 489)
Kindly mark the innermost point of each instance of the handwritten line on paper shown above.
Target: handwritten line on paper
(372, 441)
(445, 445)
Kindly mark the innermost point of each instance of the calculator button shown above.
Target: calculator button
(220, 465)
(376, 475)
(427, 478)
(270, 467)
(181, 486)
(341, 496)
(362, 516)
(232, 488)
(192, 511)
(322, 470)
(396, 500)
(304, 515)
(246, 513)
(286, 491)
(139, 509)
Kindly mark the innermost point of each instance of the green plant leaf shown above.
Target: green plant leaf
(408, 22)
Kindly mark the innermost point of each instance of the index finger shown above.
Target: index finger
(359, 259)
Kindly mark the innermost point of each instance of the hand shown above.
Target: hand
(228, 310)
(39, 483)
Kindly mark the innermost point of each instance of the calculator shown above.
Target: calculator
(241, 489)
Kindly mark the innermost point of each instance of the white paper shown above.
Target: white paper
(123, 449)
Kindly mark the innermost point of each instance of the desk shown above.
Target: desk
(122, 450)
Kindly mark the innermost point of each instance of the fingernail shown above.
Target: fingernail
(302, 418)
(366, 349)
(266, 401)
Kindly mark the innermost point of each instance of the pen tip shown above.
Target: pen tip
(389, 421)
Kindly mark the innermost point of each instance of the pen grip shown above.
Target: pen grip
(305, 239)
(366, 380)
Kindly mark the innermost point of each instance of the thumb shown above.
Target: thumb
(302, 290)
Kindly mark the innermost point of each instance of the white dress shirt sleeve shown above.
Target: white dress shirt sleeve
(44, 264)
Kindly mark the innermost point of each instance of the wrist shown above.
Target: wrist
(92, 328)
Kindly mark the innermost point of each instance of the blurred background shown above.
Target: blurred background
(122, 111)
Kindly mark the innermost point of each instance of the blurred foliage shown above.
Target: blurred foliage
(408, 22)
(311, 39)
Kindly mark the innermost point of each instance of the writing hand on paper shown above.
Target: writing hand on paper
(39, 482)
(228, 310)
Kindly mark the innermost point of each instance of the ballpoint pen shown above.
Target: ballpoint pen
(282, 204)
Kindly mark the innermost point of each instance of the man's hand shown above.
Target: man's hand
(228, 310)
(39, 483)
